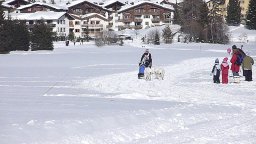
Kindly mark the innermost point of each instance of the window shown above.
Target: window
(64, 30)
(92, 22)
(63, 22)
(156, 16)
(97, 22)
(138, 10)
(167, 16)
(77, 23)
(146, 16)
(77, 30)
(49, 21)
(29, 9)
(60, 29)
(138, 16)
(126, 17)
(31, 22)
(147, 23)
(127, 23)
(154, 10)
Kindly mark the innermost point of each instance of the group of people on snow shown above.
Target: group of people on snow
(238, 60)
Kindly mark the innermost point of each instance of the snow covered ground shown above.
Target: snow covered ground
(88, 95)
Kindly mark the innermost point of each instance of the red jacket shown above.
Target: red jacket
(224, 68)
(234, 67)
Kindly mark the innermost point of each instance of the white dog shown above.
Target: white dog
(159, 73)
(148, 74)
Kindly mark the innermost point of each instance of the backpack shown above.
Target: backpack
(239, 59)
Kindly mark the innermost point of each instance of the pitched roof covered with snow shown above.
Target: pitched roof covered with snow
(124, 8)
(38, 15)
(110, 2)
(77, 2)
(41, 4)
(10, 1)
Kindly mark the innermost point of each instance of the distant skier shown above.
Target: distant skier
(146, 59)
(216, 72)
(224, 70)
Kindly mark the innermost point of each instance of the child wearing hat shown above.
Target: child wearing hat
(224, 70)
(216, 72)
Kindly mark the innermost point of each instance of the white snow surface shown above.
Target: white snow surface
(83, 94)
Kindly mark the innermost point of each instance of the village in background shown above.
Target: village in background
(111, 22)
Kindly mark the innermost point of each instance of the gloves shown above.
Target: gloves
(140, 64)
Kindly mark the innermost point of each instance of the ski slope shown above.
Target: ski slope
(83, 94)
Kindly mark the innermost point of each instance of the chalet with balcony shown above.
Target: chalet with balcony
(38, 6)
(145, 14)
(92, 23)
(57, 21)
(83, 7)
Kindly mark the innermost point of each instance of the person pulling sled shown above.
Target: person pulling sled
(145, 61)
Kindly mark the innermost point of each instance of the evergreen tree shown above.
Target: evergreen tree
(251, 15)
(157, 38)
(21, 36)
(71, 36)
(167, 34)
(1, 14)
(177, 14)
(41, 37)
(203, 16)
(233, 12)
(6, 36)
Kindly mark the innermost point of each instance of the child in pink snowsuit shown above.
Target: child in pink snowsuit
(224, 69)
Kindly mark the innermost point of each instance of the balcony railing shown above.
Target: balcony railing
(125, 20)
(137, 20)
(93, 25)
(155, 20)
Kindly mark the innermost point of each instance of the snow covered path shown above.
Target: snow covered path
(88, 95)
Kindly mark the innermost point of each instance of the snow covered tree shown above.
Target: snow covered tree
(167, 34)
(233, 13)
(41, 37)
(251, 15)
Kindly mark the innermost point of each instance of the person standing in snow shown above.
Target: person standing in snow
(216, 72)
(235, 68)
(224, 70)
(146, 59)
(247, 67)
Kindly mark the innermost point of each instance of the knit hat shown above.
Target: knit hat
(147, 50)
(234, 47)
(217, 61)
(225, 59)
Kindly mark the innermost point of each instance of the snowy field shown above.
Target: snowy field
(88, 95)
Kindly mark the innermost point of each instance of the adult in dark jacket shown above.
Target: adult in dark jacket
(247, 67)
(146, 59)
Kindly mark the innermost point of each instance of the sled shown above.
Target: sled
(236, 79)
(141, 71)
